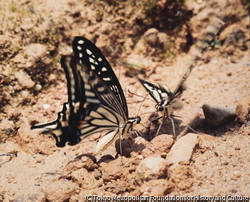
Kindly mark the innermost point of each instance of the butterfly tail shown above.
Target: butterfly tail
(61, 135)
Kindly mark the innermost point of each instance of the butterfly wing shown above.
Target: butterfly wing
(98, 110)
(89, 55)
(160, 94)
(96, 101)
(74, 83)
(101, 110)
(98, 92)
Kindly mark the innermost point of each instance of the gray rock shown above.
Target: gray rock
(218, 115)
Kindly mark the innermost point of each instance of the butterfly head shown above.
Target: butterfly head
(165, 101)
(159, 107)
(132, 122)
(137, 119)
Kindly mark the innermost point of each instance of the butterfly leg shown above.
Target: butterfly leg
(159, 128)
(172, 123)
(152, 120)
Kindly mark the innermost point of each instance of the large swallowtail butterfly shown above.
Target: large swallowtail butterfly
(96, 101)
(162, 95)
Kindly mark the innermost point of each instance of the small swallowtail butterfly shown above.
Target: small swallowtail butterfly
(96, 101)
(162, 95)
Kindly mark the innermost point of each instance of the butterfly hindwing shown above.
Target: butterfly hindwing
(64, 128)
(74, 82)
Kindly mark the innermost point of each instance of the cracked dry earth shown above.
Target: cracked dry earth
(206, 161)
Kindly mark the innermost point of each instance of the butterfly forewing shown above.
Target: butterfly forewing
(97, 91)
(89, 55)
(157, 92)
(212, 31)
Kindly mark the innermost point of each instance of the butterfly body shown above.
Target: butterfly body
(95, 100)
(162, 95)
(164, 98)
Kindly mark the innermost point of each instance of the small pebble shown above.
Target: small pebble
(38, 87)
(46, 106)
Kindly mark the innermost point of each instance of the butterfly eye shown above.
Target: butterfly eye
(138, 119)
(159, 108)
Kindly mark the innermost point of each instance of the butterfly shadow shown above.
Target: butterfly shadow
(131, 143)
(158, 125)
(136, 143)
(199, 125)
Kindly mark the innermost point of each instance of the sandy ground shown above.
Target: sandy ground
(210, 161)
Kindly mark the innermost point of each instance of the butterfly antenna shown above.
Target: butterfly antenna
(144, 97)
(142, 103)
(201, 48)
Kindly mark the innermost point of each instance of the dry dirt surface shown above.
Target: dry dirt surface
(154, 40)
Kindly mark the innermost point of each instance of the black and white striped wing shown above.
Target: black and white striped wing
(162, 95)
(97, 91)
(76, 91)
(98, 110)
(89, 55)
(64, 128)
(96, 101)
(101, 111)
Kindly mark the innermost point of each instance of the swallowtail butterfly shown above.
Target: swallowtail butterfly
(162, 95)
(96, 101)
